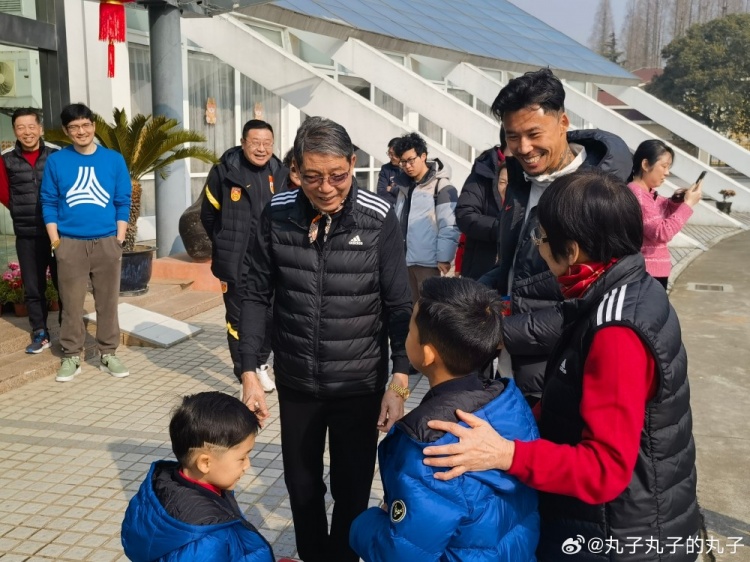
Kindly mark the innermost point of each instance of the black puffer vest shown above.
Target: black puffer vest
(330, 334)
(660, 501)
(237, 224)
(24, 182)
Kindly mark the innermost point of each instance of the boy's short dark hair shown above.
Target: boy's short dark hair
(462, 320)
(23, 112)
(594, 209)
(210, 418)
(407, 142)
(536, 88)
(255, 124)
(392, 142)
(76, 111)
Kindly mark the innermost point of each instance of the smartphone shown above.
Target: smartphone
(700, 177)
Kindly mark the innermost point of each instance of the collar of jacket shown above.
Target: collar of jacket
(231, 162)
(18, 149)
(303, 212)
(627, 270)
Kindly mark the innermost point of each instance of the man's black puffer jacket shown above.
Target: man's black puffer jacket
(535, 324)
(478, 215)
(24, 182)
(231, 219)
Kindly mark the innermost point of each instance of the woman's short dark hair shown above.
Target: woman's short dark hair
(407, 142)
(76, 111)
(462, 319)
(650, 150)
(210, 419)
(594, 209)
(536, 88)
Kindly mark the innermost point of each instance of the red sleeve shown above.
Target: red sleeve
(618, 380)
(4, 189)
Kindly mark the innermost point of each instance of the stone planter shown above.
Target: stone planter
(136, 270)
(724, 206)
(194, 237)
(54, 306)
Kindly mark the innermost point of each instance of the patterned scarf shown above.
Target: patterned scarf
(312, 234)
(581, 276)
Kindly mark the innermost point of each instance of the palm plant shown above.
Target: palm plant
(149, 144)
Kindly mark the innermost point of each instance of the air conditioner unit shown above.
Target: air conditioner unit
(20, 82)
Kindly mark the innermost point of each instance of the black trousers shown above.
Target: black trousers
(233, 306)
(663, 280)
(34, 256)
(351, 424)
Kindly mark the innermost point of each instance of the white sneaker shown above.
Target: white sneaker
(265, 381)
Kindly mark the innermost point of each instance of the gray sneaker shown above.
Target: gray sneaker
(112, 365)
(69, 368)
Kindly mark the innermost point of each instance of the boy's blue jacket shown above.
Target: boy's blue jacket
(150, 533)
(479, 516)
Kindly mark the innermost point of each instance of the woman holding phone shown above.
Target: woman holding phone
(663, 217)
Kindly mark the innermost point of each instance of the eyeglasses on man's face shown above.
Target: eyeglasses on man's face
(268, 145)
(408, 161)
(82, 127)
(334, 180)
(537, 237)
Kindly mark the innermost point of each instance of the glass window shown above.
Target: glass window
(259, 103)
(140, 79)
(390, 104)
(23, 8)
(430, 129)
(208, 77)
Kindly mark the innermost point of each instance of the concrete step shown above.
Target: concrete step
(172, 298)
(20, 367)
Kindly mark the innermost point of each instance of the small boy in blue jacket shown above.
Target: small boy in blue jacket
(487, 516)
(186, 510)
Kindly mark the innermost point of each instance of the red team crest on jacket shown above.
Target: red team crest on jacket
(236, 193)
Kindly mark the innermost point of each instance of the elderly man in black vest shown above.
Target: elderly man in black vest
(25, 166)
(331, 256)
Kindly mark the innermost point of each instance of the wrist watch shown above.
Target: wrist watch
(402, 391)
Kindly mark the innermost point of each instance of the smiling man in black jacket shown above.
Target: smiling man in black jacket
(531, 109)
(332, 257)
(237, 190)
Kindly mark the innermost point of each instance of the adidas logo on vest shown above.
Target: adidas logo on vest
(563, 370)
(87, 189)
(356, 241)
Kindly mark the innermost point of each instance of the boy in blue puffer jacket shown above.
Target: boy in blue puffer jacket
(186, 510)
(487, 516)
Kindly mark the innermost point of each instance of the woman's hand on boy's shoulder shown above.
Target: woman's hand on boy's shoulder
(479, 448)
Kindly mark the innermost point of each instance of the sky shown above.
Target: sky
(572, 17)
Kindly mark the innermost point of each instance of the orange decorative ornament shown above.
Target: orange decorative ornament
(112, 28)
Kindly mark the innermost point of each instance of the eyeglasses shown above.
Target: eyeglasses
(268, 145)
(407, 162)
(537, 238)
(334, 180)
(84, 127)
(390, 154)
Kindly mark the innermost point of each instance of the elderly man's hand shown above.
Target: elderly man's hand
(253, 395)
(391, 410)
(479, 448)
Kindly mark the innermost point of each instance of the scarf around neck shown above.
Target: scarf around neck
(312, 234)
(579, 277)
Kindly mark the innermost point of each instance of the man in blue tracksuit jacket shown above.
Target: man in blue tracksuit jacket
(479, 516)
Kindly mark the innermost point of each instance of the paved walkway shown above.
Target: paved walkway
(74, 453)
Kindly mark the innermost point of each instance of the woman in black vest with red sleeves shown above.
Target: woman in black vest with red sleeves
(616, 459)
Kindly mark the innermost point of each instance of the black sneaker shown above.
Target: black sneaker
(39, 342)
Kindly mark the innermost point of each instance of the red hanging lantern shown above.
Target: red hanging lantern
(112, 28)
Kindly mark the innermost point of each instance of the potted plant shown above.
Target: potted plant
(11, 289)
(149, 143)
(725, 206)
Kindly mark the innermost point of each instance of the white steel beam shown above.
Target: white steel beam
(686, 127)
(475, 81)
(685, 166)
(437, 105)
(306, 88)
